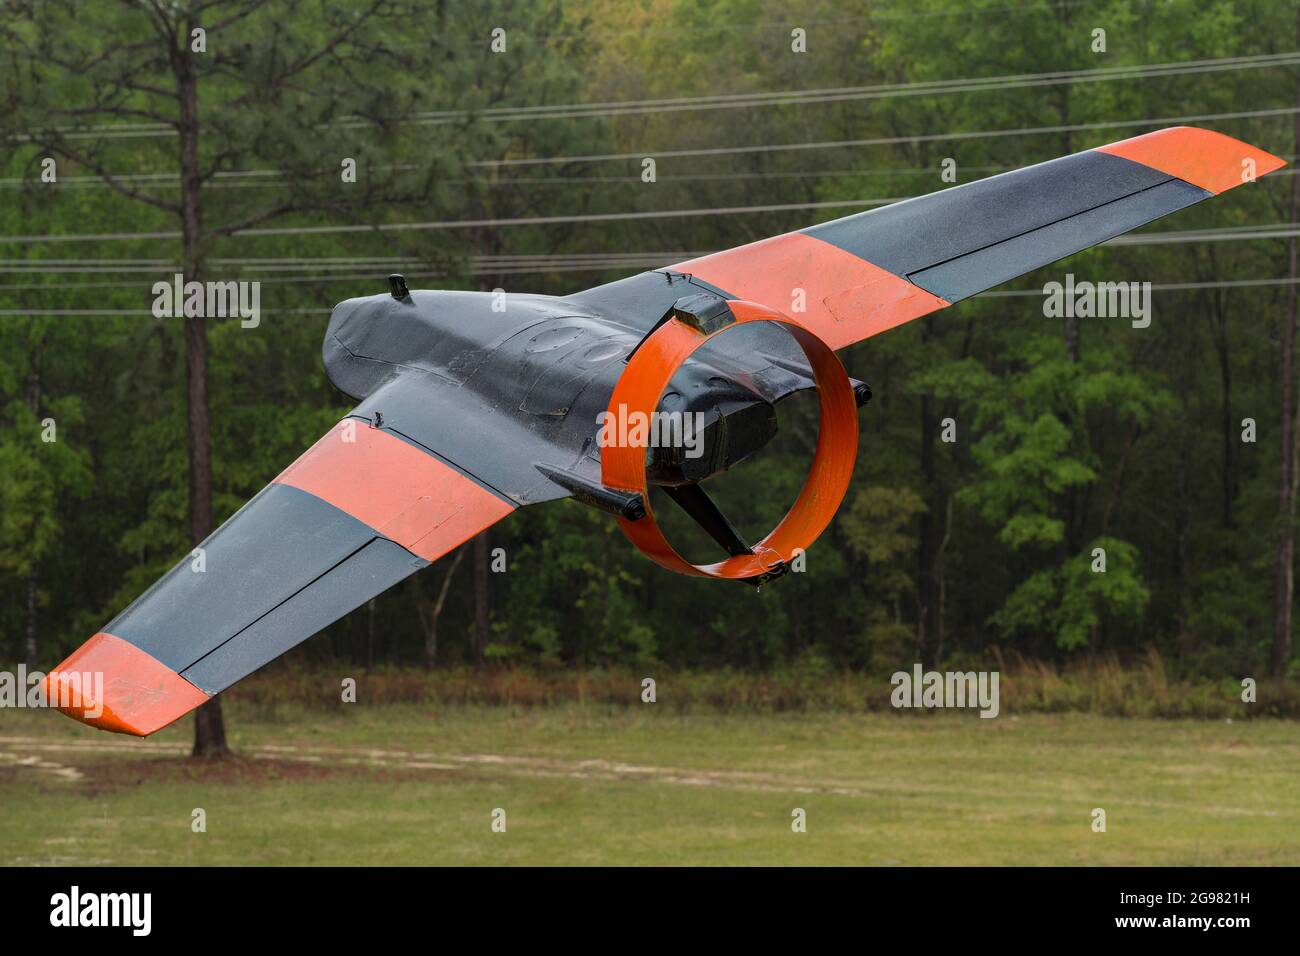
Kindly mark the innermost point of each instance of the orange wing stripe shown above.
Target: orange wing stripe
(139, 693)
(403, 493)
(845, 298)
(1201, 157)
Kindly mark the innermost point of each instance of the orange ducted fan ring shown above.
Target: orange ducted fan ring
(642, 385)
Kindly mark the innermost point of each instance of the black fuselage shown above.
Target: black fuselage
(513, 381)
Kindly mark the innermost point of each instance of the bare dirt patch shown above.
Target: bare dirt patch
(236, 770)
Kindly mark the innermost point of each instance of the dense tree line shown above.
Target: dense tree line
(1003, 446)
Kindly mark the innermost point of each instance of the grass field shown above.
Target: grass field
(407, 784)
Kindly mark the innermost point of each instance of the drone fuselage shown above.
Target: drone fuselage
(531, 374)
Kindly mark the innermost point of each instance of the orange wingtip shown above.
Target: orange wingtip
(111, 684)
(1201, 157)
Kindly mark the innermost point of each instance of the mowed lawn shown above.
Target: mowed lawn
(404, 784)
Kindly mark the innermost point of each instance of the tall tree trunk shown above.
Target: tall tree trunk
(431, 628)
(1225, 390)
(34, 404)
(927, 594)
(357, 636)
(370, 634)
(30, 648)
(1284, 561)
(482, 544)
(941, 582)
(482, 597)
(209, 722)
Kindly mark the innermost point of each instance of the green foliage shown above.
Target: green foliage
(1067, 439)
(1074, 599)
(39, 479)
(1038, 449)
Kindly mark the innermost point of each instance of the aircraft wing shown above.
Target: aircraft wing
(359, 511)
(434, 455)
(864, 274)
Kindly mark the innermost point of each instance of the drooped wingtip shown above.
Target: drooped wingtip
(1202, 157)
(111, 684)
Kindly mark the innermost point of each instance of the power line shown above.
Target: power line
(462, 223)
(379, 269)
(1267, 231)
(270, 261)
(727, 26)
(1008, 293)
(484, 265)
(857, 93)
(140, 312)
(607, 217)
(536, 265)
(1284, 230)
(169, 180)
(955, 136)
(891, 140)
(611, 109)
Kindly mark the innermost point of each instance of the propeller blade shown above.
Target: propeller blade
(695, 501)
